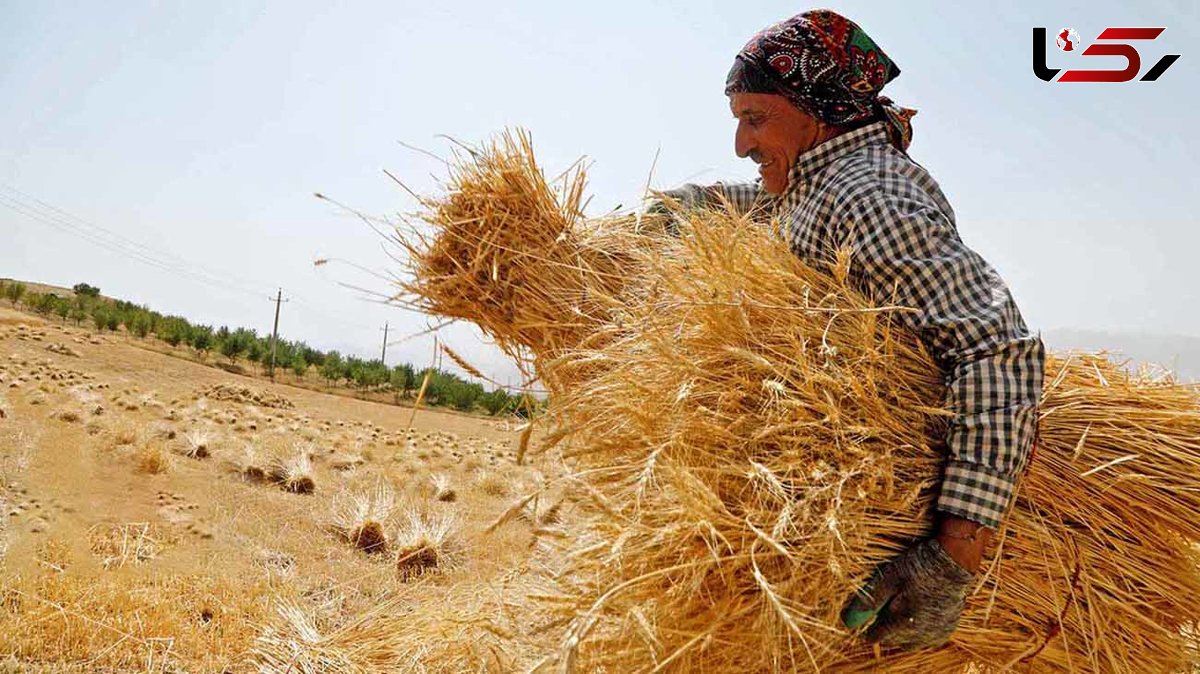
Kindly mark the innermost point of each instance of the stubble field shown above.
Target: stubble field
(163, 516)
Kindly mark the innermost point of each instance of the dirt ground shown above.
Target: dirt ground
(163, 516)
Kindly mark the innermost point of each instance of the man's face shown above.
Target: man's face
(773, 133)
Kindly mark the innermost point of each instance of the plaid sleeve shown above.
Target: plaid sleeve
(905, 249)
(742, 196)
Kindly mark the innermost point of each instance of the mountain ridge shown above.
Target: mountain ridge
(1178, 353)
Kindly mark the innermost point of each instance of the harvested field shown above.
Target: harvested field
(153, 538)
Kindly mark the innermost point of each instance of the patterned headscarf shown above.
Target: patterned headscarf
(825, 65)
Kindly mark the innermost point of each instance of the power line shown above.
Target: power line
(336, 319)
(128, 245)
(33, 213)
(57, 218)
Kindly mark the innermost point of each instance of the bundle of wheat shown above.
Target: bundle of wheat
(293, 471)
(197, 446)
(361, 517)
(424, 543)
(441, 489)
(250, 465)
(752, 436)
(763, 437)
(515, 256)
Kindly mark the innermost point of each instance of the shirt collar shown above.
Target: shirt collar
(810, 163)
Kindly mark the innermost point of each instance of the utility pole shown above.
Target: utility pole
(275, 332)
(383, 358)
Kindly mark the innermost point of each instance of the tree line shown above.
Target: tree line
(366, 376)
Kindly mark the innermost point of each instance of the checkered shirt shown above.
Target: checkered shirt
(859, 192)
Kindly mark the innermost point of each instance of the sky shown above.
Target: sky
(168, 152)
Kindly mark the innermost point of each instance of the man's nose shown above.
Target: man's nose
(743, 143)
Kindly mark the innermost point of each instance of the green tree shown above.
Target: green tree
(367, 375)
(355, 371)
(246, 335)
(232, 344)
(14, 291)
(174, 330)
(312, 356)
(285, 351)
(126, 314)
(496, 402)
(255, 350)
(462, 395)
(202, 340)
(299, 365)
(334, 368)
(403, 379)
(99, 316)
(86, 290)
(435, 389)
(140, 325)
(83, 304)
(379, 374)
(62, 308)
(44, 303)
(31, 300)
(153, 318)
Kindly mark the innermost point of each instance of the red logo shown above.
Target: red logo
(1106, 45)
(1067, 39)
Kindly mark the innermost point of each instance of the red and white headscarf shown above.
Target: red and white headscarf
(825, 65)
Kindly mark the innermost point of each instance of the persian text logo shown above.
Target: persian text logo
(1067, 40)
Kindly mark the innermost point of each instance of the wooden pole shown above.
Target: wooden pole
(383, 356)
(275, 332)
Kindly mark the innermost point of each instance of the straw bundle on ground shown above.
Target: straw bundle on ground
(360, 517)
(753, 436)
(293, 471)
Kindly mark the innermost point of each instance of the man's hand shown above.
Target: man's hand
(916, 600)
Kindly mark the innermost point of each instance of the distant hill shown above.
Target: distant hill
(35, 287)
(1178, 353)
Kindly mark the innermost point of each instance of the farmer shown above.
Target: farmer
(834, 172)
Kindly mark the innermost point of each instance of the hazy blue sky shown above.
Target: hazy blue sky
(200, 130)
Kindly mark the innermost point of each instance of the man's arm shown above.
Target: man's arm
(905, 250)
(742, 196)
